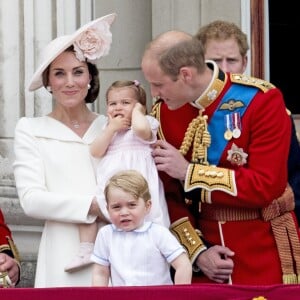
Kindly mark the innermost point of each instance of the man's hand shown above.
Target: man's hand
(9, 265)
(216, 263)
(169, 160)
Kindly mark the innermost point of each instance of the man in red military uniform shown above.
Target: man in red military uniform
(9, 258)
(227, 45)
(231, 132)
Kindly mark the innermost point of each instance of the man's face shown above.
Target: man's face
(227, 55)
(163, 86)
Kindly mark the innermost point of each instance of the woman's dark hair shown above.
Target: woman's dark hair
(95, 84)
(93, 92)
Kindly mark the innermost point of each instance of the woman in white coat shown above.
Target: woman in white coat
(54, 173)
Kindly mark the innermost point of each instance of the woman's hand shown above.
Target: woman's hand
(96, 211)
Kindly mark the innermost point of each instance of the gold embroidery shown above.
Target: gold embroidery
(231, 105)
(252, 81)
(210, 178)
(188, 237)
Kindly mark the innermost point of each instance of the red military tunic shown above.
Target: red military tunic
(256, 178)
(6, 243)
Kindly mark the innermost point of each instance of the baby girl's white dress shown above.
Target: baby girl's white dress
(127, 151)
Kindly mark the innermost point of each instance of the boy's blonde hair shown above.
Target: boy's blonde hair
(130, 181)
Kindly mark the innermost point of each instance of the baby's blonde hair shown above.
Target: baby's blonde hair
(135, 85)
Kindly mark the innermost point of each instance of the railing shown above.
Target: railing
(185, 292)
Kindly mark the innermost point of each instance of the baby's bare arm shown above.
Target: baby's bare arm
(140, 124)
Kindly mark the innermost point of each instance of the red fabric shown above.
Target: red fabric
(265, 136)
(4, 230)
(203, 292)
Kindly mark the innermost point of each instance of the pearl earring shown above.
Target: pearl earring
(88, 86)
(49, 89)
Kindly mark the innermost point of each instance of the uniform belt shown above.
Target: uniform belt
(215, 213)
(285, 231)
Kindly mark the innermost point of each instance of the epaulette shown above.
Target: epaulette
(263, 85)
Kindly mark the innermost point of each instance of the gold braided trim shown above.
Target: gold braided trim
(11, 247)
(14, 249)
(188, 237)
(210, 178)
(198, 135)
(215, 213)
(287, 241)
(286, 235)
(4, 247)
(279, 206)
(155, 112)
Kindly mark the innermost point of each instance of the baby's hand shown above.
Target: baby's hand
(139, 107)
(118, 123)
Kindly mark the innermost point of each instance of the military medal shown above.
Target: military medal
(228, 135)
(236, 132)
(228, 132)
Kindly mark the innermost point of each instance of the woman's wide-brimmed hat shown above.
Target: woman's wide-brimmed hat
(91, 42)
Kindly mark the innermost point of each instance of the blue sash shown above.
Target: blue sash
(217, 126)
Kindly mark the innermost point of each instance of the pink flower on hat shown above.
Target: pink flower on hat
(93, 43)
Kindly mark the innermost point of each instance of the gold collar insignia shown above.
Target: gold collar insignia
(215, 87)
